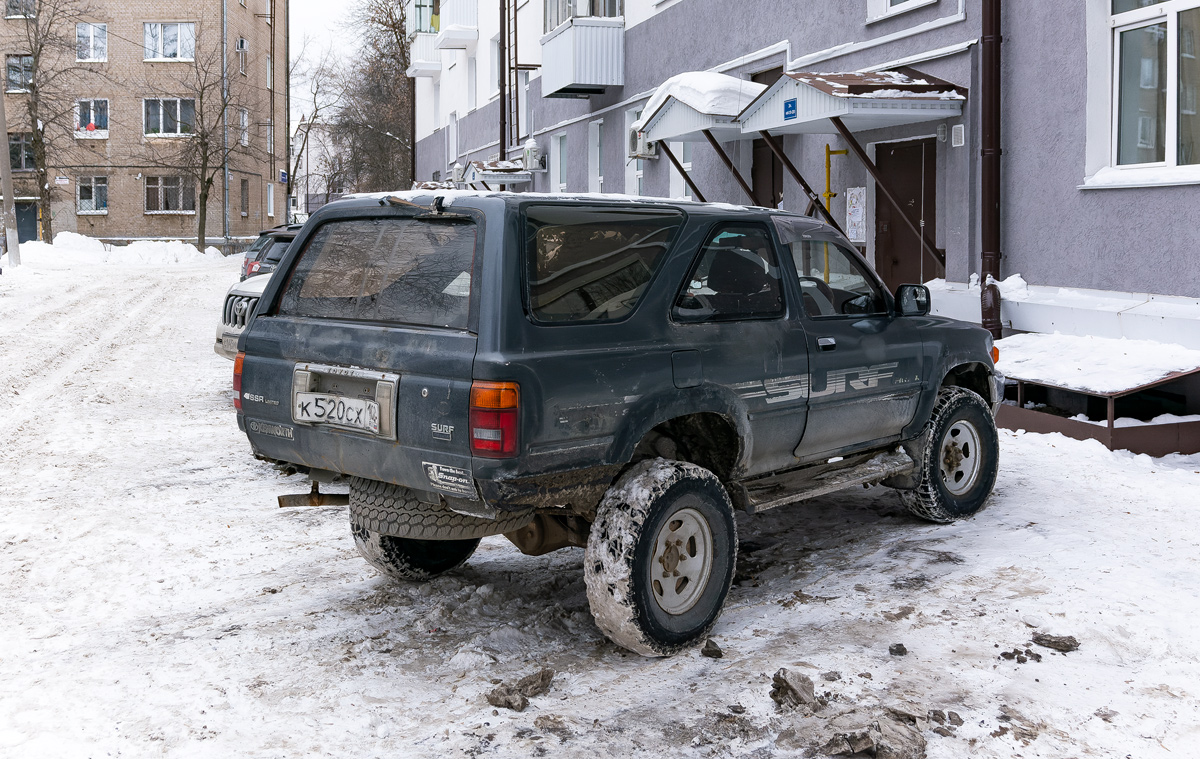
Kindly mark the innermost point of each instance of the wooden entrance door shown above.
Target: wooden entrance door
(766, 171)
(910, 171)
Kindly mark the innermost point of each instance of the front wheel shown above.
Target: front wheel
(959, 459)
(660, 557)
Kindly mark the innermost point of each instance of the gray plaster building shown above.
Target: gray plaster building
(1101, 164)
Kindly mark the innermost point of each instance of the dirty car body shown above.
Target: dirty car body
(501, 353)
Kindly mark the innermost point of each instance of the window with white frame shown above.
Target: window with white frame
(596, 156)
(170, 195)
(494, 50)
(472, 82)
(19, 8)
(18, 72)
(634, 169)
(683, 152)
(270, 199)
(244, 127)
(91, 42)
(91, 119)
(168, 42)
(1156, 73)
(91, 195)
(270, 136)
(20, 151)
(169, 117)
(881, 9)
(243, 48)
(558, 163)
(270, 74)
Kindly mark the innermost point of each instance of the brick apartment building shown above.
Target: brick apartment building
(123, 86)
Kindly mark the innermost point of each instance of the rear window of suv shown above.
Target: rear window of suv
(593, 264)
(410, 271)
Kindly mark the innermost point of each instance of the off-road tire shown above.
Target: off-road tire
(396, 511)
(931, 499)
(620, 552)
(407, 559)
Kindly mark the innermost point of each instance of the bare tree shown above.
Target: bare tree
(206, 127)
(322, 81)
(376, 109)
(49, 68)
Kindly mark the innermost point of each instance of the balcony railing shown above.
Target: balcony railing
(424, 49)
(460, 13)
(561, 11)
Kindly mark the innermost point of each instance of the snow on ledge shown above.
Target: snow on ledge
(1076, 311)
(1091, 364)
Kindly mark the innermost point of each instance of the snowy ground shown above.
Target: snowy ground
(154, 600)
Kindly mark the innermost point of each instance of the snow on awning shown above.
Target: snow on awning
(687, 104)
(496, 173)
(804, 103)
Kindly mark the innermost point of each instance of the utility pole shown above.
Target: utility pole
(10, 207)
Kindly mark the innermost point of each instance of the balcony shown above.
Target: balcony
(459, 28)
(424, 59)
(584, 55)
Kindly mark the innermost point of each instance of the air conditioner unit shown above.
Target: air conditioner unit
(531, 156)
(242, 45)
(639, 147)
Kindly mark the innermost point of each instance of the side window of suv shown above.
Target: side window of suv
(592, 264)
(833, 282)
(736, 277)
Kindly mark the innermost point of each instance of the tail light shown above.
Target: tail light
(494, 418)
(237, 380)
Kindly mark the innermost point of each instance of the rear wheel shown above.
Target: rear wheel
(959, 460)
(660, 557)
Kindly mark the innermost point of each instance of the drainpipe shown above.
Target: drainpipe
(990, 153)
(224, 124)
(503, 83)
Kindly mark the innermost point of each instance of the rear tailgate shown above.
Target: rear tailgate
(362, 362)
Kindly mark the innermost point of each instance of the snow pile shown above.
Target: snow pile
(1125, 421)
(71, 249)
(705, 91)
(1096, 364)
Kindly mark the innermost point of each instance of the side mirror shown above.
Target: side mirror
(912, 300)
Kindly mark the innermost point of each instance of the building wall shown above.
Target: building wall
(1054, 233)
(125, 79)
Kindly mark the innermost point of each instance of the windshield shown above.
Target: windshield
(412, 271)
(276, 251)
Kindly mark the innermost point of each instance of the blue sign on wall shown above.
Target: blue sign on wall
(283, 177)
(789, 109)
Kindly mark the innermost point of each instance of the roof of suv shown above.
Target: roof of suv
(449, 197)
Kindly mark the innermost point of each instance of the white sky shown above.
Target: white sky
(323, 23)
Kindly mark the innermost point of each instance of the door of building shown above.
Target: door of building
(766, 170)
(27, 222)
(910, 170)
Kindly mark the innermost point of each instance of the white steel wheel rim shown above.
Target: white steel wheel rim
(960, 457)
(682, 561)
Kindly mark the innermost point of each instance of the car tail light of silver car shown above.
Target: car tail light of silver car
(237, 380)
(494, 417)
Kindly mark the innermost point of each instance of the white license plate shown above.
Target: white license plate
(323, 408)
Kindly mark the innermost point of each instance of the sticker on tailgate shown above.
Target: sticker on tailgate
(451, 479)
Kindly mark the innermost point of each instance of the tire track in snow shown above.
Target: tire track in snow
(117, 326)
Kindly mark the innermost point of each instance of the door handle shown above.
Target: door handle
(827, 343)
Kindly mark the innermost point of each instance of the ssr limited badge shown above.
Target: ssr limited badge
(451, 480)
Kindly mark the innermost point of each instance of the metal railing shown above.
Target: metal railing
(464, 13)
(561, 11)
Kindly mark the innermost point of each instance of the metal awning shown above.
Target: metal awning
(807, 103)
(493, 173)
(686, 105)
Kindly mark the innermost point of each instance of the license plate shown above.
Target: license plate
(337, 410)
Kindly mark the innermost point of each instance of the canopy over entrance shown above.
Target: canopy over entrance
(806, 103)
(688, 104)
